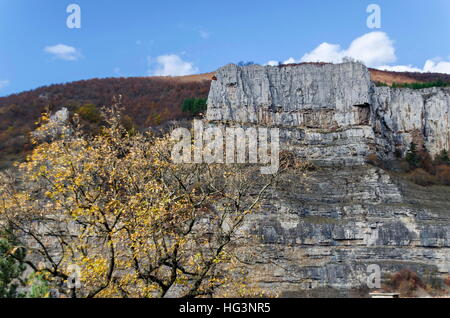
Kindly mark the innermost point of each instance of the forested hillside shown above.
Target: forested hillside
(149, 101)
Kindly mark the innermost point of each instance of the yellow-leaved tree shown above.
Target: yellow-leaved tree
(112, 216)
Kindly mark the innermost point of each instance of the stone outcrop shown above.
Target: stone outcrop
(324, 230)
(308, 95)
(401, 116)
(329, 106)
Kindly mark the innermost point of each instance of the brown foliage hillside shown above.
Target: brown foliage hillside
(148, 100)
(407, 77)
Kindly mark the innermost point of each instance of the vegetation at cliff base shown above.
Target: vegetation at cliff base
(418, 166)
(423, 170)
(412, 157)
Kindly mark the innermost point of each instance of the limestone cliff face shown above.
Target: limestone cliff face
(294, 96)
(329, 106)
(405, 115)
(324, 230)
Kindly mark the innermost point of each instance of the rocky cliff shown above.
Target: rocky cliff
(334, 113)
(324, 230)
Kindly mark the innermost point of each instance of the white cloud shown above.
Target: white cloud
(272, 63)
(172, 65)
(3, 83)
(290, 60)
(325, 52)
(437, 66)
(63, 52)
(431, 66)
(399, 68)
(374, 49)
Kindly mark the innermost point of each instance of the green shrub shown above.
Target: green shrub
(443, 158)
(412, 157)
(38, 287)
(90, 113)
(11, 266)
(194, 106)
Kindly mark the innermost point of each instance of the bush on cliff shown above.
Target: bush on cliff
(412, 156)
(90, 113)
(421, 169)
(195, 106)
(442, 158)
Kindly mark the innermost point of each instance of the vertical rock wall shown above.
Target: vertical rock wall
(335, 108)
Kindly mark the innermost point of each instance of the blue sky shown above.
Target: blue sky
(146, 37)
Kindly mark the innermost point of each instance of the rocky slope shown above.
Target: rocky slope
(325, 229)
